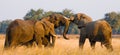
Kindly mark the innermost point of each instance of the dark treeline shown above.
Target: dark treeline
(113, 18)
(4, 25)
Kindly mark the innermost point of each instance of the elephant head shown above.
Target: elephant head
(81, 19)
(60, 20)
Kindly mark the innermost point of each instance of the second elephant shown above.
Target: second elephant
(93, 30)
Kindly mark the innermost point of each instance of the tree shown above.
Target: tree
(48, 13)
(4, 25)
(113, 19)
(34, 15)
(67, 12)
(29, 15)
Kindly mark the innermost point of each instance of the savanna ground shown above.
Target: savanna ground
(63, 47)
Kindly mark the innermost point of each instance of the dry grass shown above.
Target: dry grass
(63, 47)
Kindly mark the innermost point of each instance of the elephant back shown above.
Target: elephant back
(97, 27)
(18, 32)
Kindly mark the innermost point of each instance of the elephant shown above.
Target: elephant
(95, 31)
(45, 29)
(21, 32)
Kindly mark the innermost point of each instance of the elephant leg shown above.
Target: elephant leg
(107, 43)
(29, 44)
(53, 39)
(81, 41)
(92, 43)
(46, 41)
(48, 38)
(13, 44)
(38, 40)
(108, 46)
(52, 33)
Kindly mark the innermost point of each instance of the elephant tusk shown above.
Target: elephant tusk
(55, 35)
(65, 17)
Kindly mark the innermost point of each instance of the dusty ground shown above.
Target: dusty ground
(63, 47)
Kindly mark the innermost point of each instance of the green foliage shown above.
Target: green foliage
(40, 13)
(67, 12)
(113, 18)
(4, 25)
(48, 13)
(34, 15)
(73, 29)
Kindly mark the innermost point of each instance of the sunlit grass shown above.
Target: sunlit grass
(62, 47)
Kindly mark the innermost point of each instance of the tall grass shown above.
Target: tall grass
(62, 47)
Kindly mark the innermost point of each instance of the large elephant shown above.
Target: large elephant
(21, 32)
(95, 31)
(45, 29)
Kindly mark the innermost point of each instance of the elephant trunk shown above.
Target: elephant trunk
(67, 23)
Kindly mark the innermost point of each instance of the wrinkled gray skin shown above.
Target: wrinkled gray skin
(93, 30)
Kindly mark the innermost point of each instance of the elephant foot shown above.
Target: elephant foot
(110, 49)
(49, 45)
(81, 47)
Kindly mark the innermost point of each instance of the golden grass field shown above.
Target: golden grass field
(62, 47)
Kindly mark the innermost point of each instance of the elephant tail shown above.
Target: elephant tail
(7, 44)
(101, 44)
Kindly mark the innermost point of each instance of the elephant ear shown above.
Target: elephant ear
(65, 17)
(82, 16)
(78, 16)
